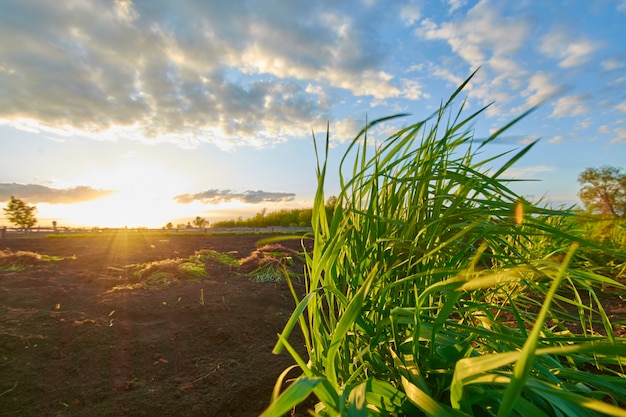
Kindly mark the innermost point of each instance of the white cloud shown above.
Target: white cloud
(215, 196)
(125, 10)
(36, 193)
(413, 90)
(488, 38)
(570, 52)
(527, 140)
(617, 81)
(570, 106)
(346, 61)
(482, 34)
(410, 13)
(446, 74)
(456, 4)
(620, 135)
(345, 130)
(622, 6)
(528, 172)
(617, 134)
(621, 107)
(540, 88)
(556, 139)
(189, 73)
(612, 64)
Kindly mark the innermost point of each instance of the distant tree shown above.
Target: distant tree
(331, 203)
(259, 219)
(304, 217)
(200, 222)
(20, 214)
(603, 190)
(169, 226)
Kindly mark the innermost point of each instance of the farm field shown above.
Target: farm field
(85, 335)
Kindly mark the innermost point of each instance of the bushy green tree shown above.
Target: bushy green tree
(603, 191)
(20, 214)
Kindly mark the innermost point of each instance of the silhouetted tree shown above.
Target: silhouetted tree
(200, 222)
(603, 190)
(21, 214)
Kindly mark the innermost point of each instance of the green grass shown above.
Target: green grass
(21, 260)
(273, 268)
(193, 269)
(206, 255)
(435, 290)
(12, 268)
(268, 272)
(164, 272)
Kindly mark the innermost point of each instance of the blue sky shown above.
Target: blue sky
(121, 112)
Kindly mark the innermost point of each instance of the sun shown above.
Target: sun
(143, 196)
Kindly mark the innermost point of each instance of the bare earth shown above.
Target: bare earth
(75, 342)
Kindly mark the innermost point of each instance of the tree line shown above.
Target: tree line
(602, 192)
(284, 217)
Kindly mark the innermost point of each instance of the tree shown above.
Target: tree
(603, 190)
(200, 222)
(330, 206)
(20, 214)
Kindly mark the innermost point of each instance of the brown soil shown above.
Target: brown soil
(87, 336)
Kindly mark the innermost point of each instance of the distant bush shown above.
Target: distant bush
(283, 217)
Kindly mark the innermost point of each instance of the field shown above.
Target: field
(94, 326)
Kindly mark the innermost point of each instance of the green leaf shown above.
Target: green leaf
(292, 396)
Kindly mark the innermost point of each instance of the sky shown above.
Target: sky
(141, 112)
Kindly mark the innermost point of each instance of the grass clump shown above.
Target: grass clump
(159, 279)
(435, 290)
(209, 255)
(18, 261)
(269, 263)
(270, 270)
(167, 271)
(193, 269)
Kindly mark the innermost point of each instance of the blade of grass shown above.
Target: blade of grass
(525, 362)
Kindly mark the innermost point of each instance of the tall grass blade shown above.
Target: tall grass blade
(292, 396)
(525, 362)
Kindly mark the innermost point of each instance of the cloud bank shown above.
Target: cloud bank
(35, 194)
(222, 196)
(188, 72)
